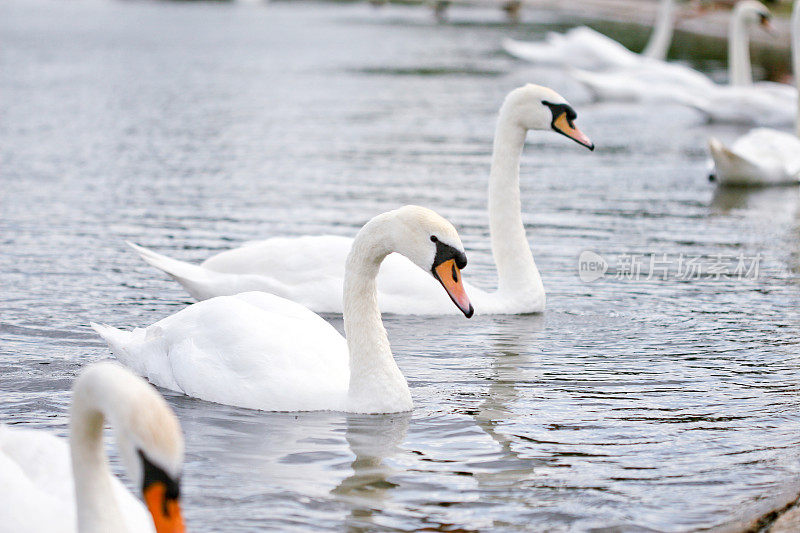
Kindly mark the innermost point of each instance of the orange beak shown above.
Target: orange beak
(166, 511)
(448, 274)
(565, 126)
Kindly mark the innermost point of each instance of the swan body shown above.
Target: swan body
(261, 351)
(752, 105)
(253, 350)
(50, 485)
(310, 269)
(648, 81)
(585, 48)
(763, 156)
(742, 101)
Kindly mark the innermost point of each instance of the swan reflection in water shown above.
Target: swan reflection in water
(372, 439)
(775, 207)
(512, 379)
(778, 203)
(375, 440)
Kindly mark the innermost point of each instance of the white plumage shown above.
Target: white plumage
(252, 350)
(764, 156)
(261, 351)
(51, 485)
(585, 48)
(310, 269)
(37, 489)
(741, 101)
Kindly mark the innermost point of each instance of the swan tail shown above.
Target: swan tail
(723, 156)
(193, 278)
(730, 167)
(143, 351)
(116, 339)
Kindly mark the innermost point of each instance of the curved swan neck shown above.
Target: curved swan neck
(516, 269)
(94, 496)
(741, 72)
(376, 383)
(796, 57)
(661, 39)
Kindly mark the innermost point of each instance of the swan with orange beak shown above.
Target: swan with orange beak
(47, 485)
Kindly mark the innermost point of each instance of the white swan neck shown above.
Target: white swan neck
(741, 72)
(796, 57)
(516, 269)
(661, 38)
(97, 508)
(376, 383)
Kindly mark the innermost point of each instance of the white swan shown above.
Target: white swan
(45, 490)
(639, 82)
(259, 351)
(583, 47)
(763, 156)
(310, 269)
(741, 101)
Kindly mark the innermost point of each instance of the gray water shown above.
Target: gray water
(630, 404)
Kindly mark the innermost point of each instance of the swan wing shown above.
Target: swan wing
(308, 270)
(762, 157)
(580, 47)
(252, 350)
(747, 105)
(649, 81)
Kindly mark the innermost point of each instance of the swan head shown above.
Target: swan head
(534, 107)
(754, 13)
(149, 437)
(433, 244)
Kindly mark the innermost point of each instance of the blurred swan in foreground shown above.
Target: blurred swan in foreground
(41, 487)
(310, 269)
(259, 351)
(583, 47)
(763, 156)
(741, 101)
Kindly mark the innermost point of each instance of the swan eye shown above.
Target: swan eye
(434, 239)
(559, 110)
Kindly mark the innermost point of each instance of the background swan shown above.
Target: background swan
(763, 156)
(310, 269)
(583, 47)
(741, 101)
(259, 351)
(41, 487)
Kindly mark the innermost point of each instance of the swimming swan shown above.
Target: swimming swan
(763, 156)
(260, 351)
(740, 101)
(45, 490)
(583, 47)
(310, 269)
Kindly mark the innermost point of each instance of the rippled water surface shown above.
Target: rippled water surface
(190, 128)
